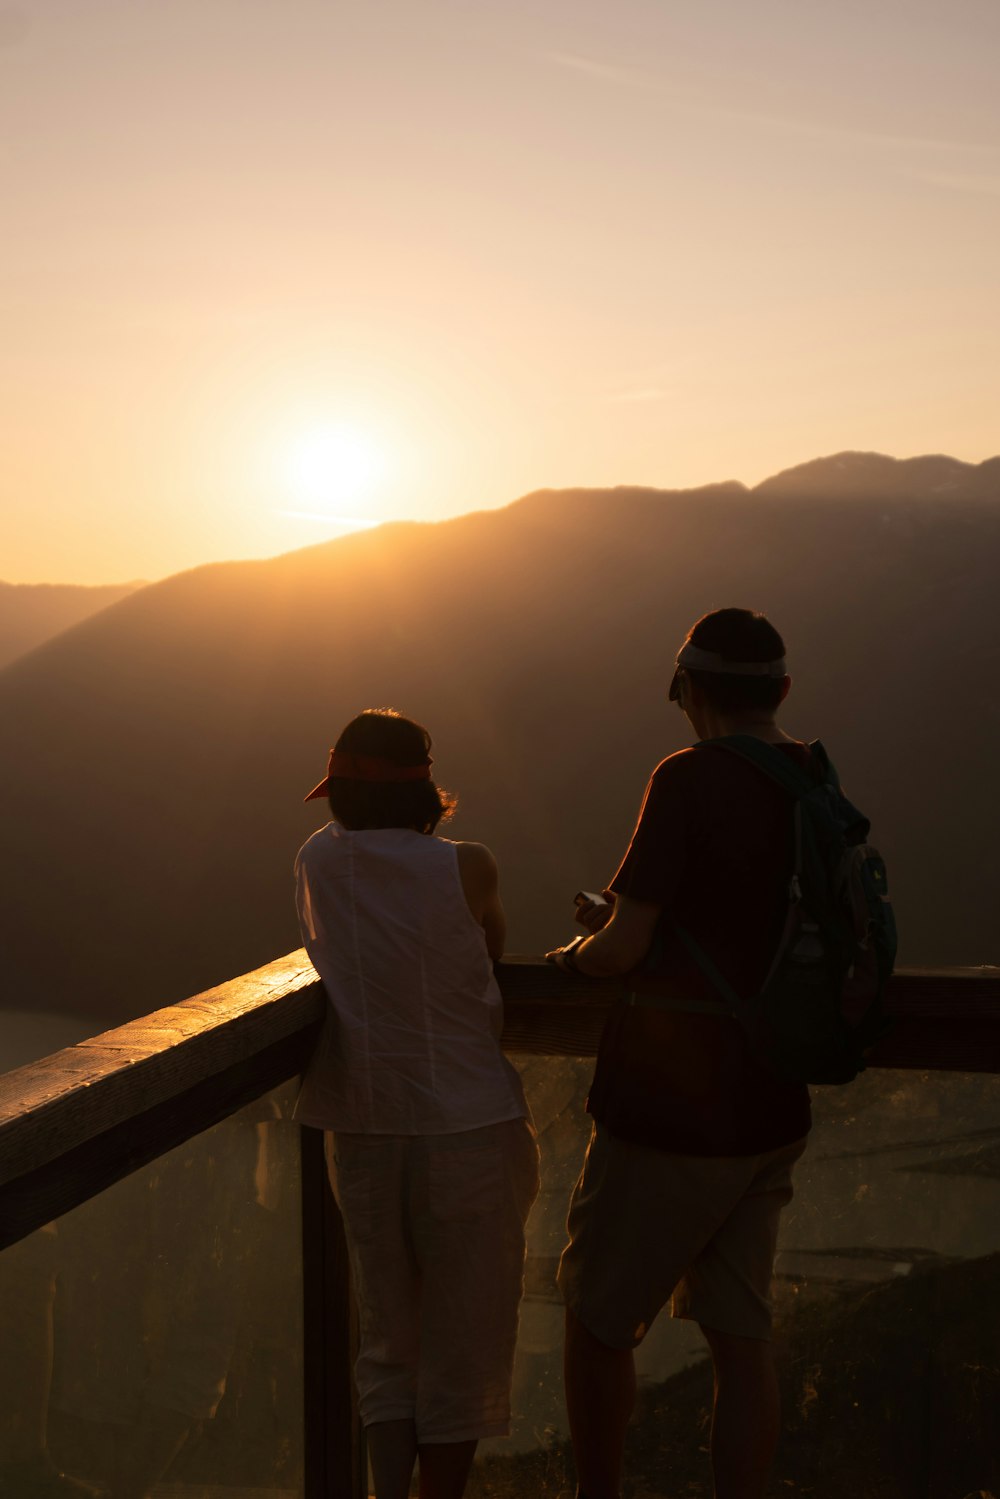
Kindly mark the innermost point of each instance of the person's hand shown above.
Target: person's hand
(592, 915)
(557, 956)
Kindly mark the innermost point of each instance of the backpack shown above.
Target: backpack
(820, 1006)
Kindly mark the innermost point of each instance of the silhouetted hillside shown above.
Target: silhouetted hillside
(873, 477)
(153, 760)
(31, 613)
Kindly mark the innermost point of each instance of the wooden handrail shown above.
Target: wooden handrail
(943, 1019)
(97, 1110)
(53, 1105)
(64, 1100)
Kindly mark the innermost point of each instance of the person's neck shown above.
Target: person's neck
(712, 725)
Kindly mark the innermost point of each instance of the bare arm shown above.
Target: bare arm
(622, 944)
(480, 881)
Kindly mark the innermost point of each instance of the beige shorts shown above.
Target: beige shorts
(435, 1232)
(647, 1227)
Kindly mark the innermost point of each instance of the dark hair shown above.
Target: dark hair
(737, 635)
(419, 805)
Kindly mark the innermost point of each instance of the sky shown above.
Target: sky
(271, 270)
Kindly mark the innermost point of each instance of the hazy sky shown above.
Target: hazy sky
(270, 267)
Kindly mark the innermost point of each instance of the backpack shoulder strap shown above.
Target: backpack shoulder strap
(770, 759)
(708, 968)
(733, 1003)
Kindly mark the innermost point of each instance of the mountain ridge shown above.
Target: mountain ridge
(153, 758)
(31, 613)
(833, 474)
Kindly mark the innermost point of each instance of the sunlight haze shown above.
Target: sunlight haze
(274, 271)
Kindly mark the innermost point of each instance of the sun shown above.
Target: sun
(334, 472)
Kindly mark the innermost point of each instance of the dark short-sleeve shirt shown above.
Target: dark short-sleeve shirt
(713, 848)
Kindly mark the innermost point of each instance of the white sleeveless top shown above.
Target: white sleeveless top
(411, 1042)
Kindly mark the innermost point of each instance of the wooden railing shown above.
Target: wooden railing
(84, 1118)
(81, 1119)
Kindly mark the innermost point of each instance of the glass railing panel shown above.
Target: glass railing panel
(887, 1307)
(887, 1291)
(153, 1336)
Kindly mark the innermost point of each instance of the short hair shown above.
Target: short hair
(358, 805)
(737, 635)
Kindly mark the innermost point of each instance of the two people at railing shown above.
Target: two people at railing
(432, 1155)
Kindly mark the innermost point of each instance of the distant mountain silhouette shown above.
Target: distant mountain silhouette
(153, 760)
(873, 477)
(31, 613)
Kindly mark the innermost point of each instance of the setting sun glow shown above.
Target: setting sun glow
(396, 262)
(332, 473)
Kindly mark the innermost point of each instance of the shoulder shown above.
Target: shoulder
(315, 845)
(678, 766)
(476, 860)
(311, 847)
(678, 774)
(695, 775)
(706, 764)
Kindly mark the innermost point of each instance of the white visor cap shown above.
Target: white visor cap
(696, 659)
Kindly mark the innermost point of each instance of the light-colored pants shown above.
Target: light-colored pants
(435, 1232)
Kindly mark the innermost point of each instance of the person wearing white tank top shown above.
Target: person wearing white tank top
(432, 1155)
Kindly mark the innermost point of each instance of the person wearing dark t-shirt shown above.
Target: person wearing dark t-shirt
(694, 1141)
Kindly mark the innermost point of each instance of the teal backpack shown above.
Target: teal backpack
(820, 1006)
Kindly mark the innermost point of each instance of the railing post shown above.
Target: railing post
(335, 1459)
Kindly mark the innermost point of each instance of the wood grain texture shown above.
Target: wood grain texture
(55, 1105)
(44, 1193)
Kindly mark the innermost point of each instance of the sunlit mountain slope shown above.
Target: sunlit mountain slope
(153, 760)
